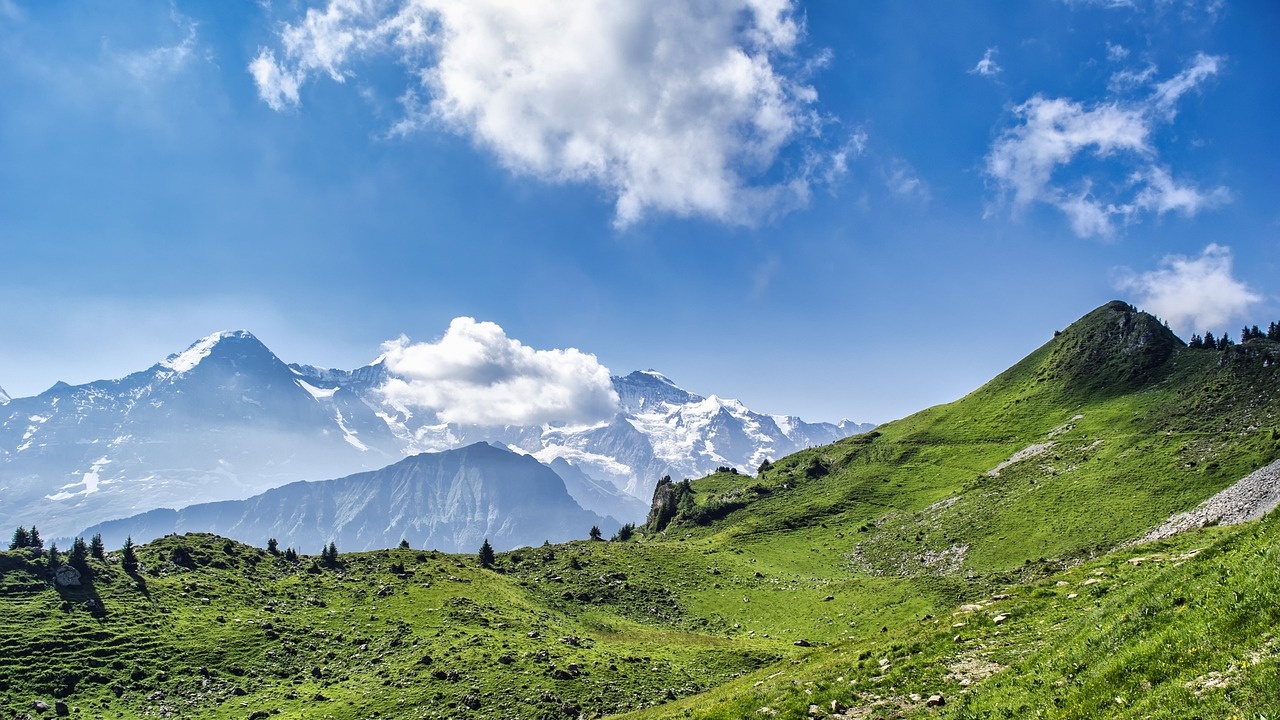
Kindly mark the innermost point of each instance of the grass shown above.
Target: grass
(839, 574)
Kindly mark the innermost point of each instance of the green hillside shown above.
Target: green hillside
(840, 574)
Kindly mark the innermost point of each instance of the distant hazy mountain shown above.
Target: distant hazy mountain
(449, 501)
(226, 419)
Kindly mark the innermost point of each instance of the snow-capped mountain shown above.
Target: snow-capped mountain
(226, 419)
(4, 397)
(449, 501)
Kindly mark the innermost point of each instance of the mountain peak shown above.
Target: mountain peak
(1114, 347)
(199, 350)
(4, 397)
(647, 390)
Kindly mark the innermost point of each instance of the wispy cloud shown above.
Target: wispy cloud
(475, 374)
(672, 107)
(1192, 293)
(1028, 161)
(987, 66)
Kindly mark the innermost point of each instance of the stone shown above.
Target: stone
(801, 643)
(66, 576)
(40, 706)
(935, 700)
(60, 709)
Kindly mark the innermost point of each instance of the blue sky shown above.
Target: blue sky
(831, 209)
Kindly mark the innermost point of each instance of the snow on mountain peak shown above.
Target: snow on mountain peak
(200, 349)
(4, 397)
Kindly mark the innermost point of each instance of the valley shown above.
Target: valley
(974, 560)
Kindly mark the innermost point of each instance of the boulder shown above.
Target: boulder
(66, 576)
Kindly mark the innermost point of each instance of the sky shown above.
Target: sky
(829, 209)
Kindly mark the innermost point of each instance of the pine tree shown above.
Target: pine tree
(329, 555)
(128, 557)
(33, 540)
(595, 532)
(404, 544)
(291, 555)
(54, 559)
(1196, 343)
(273, 547)
(79, 557)
(625, 532)
(1273, 332)
(1209, 342)
(486, 554)
(97, 550)
(20, 539)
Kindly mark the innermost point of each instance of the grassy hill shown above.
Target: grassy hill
(841, 573)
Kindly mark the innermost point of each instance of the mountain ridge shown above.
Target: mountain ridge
(226, 418)
(449, 501)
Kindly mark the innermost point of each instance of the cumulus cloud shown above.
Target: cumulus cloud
(987, 66)
(475, 374)
(1192, 294)
(674, 107)
(1028, 161)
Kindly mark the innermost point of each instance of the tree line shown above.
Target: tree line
(1222, 342)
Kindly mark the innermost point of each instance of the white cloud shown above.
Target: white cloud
(1117, 52)
(475, 374)
(1028, 161)
(901, 178)
(1168, 92)
(1193, 294)
(987, 66)
(671, 106)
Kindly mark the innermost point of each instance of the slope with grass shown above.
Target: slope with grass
(774, 592)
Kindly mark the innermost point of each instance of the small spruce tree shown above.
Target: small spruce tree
(291, 555)
(20, 539)
(33, 540)
(486, 554)
(273, 546)
(97, 550)
(128, 556)
(625, 532)
(1273, 331)
(595, 532)
(54, 559)
(404, 544)
(1209, 342)
(79, 557)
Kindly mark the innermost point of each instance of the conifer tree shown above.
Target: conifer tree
(291, 555)
(128, 556)
(1209, 342)
(33, 540)
(1273, 332)
(404, 544)
(486, 554)
(79, 557)
(97, 550)
(595, 532)
(54, 559)
(1196, 342)
(273, 547)
(20, 539)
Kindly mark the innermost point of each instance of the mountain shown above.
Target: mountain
(223, 419)
(226, 419)
(450, 501)
(4, 397)
(982, 558)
